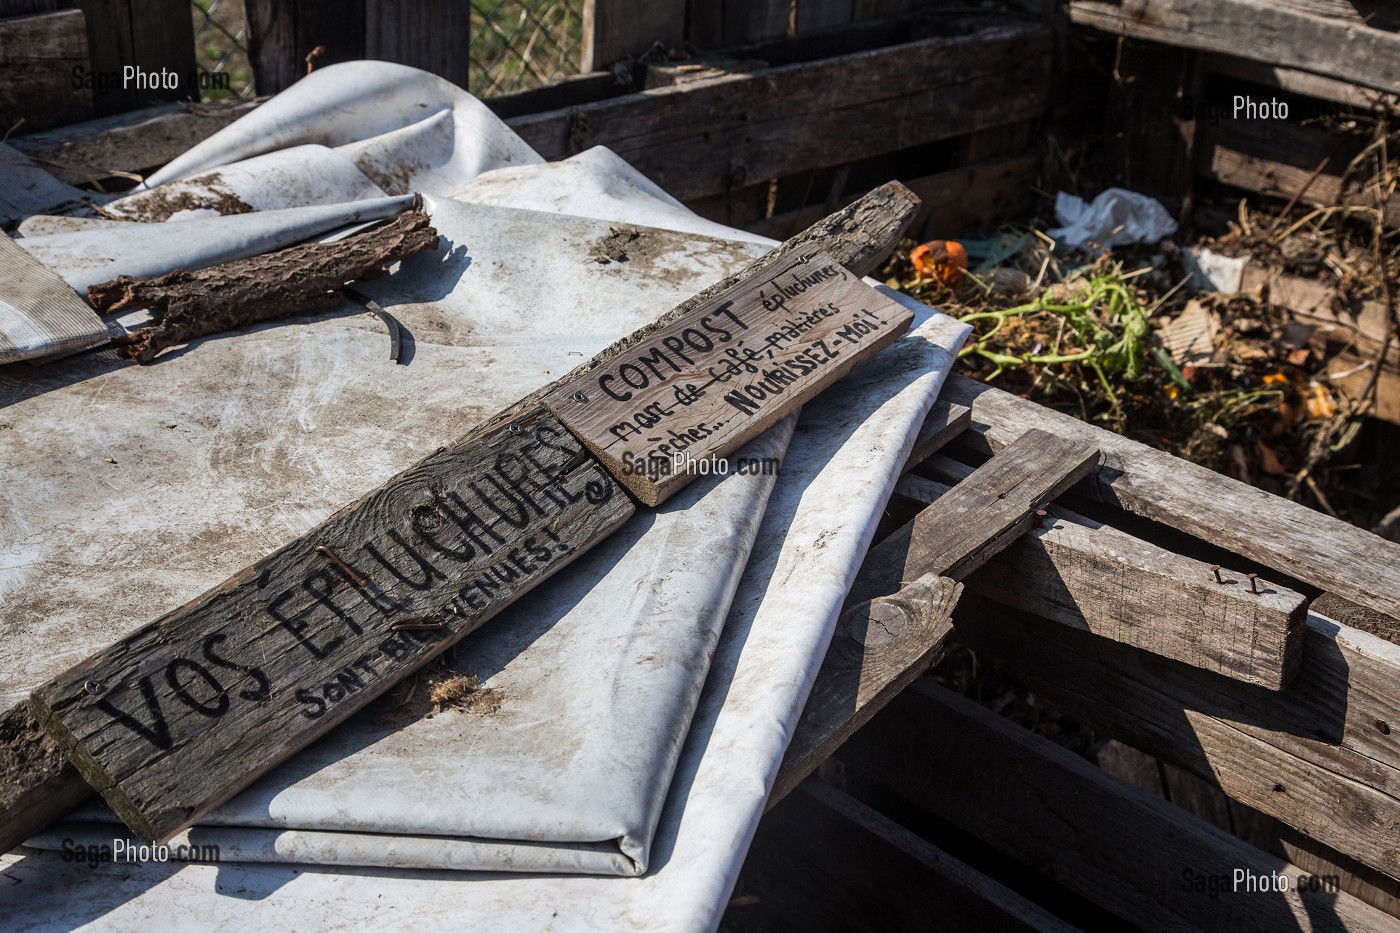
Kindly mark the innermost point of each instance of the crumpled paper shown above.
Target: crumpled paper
(1117, 217)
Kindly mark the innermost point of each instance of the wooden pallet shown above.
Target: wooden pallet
(1312, 769)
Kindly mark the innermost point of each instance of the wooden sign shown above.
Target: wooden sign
(697, 389)
(174, 719)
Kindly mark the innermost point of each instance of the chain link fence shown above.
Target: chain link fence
(520, 44)
(515, 45)
(221, 48)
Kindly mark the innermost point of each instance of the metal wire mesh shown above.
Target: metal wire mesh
(520, 44)
(221, 49)
(515, 45)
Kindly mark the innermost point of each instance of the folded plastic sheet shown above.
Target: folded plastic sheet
(844, 457)
(248, 440)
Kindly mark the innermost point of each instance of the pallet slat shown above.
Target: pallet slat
(1306, 545)
(1323, 756)
(1261, 30)
(810, 115)
(1136, 855)
(1091, 576)
(824, 860)
(975, 521)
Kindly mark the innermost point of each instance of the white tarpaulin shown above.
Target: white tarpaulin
(131, 490)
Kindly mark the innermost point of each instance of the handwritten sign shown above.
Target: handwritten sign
(174, 719)
(698, 388)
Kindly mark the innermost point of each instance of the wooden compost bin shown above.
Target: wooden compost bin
(901, 804)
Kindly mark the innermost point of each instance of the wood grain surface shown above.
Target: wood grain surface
(1094, 577)
(705, 384)
(1134, 854)
(174, 719)
(1323, 756)
(966, 527)
(1287, 536)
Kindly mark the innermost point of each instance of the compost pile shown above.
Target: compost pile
(1128, 339)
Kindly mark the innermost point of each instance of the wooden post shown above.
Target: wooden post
(37, 57)
(283, 32)
(614, 29)
(151, 35)
(748, 21)
(434, 35)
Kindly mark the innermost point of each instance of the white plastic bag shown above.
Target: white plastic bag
(1117, 217)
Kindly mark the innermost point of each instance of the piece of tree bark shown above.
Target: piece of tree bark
(309, 277)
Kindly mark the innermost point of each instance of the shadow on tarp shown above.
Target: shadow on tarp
(436, 273)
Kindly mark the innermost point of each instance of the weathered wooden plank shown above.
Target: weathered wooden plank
(1146, 860)
(1303, 544)
(451, 541)
(110, 46)
(131, 142)
(1297, 82)
(809, 115)
(1322, 756)
(980, 517)
(808, 106)
(38, 785)
(1264, 31)
(879, 648)
(177, 717)
(701, 387)
(822, 14)
(1278, 159)
(38, 55)
(434, 35)
(615, 29)
(945, 421)
(748, 21)
(704, 23)
(26, 7)
(1092, 576)
(823, 860)
(859, 236)
(272, 44)
(1358, 617)
(162, 39)
(281, 33)
(978, 195)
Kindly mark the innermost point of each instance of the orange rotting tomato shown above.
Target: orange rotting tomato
(945, 260)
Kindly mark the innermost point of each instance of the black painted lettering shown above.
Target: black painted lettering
(295, 627)
(264, 684)
(214, 708)
(158, 732)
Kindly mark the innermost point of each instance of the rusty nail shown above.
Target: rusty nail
(350, 572)
(1041, 516)
(1215, 569)
(1382, 727)
(416, 627)
(1254, 583)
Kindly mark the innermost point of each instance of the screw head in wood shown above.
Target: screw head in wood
(580, 397)
(94, 687)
